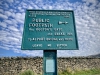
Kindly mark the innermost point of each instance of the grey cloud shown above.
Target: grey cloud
(3, 16)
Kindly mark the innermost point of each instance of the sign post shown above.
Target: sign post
(49, 30)
(50, 62)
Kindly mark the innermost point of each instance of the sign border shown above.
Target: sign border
(77, 47)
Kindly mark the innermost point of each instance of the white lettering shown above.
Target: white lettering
(40, 20)
(59, 34)
(37, 45)
(45, 25)
(61, 45)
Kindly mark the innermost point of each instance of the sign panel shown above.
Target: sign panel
(50, 67)
(49, 30)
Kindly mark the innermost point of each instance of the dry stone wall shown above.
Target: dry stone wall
(15, 65)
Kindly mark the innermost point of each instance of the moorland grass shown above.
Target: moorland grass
(67, 72)
(85, 72)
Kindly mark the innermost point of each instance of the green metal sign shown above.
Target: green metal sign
(49, 30)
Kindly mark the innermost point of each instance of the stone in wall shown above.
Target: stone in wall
(15, 65)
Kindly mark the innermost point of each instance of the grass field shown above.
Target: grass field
(66, 72)
(86, 72)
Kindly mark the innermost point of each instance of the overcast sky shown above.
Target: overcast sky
(87, 18)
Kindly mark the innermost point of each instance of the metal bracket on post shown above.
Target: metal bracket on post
(50, 62)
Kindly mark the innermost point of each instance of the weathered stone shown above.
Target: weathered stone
(15, 65)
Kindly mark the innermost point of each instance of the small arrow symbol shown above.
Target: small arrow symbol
(62, 22)
(66, 22)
